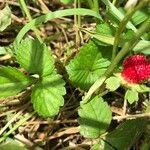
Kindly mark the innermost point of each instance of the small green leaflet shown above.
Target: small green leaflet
(95, 117)
(47, 95)
(87, 66)
(5, 19)
(35, 57)
(113, 83)
(125, 135)
(131, 96)
(12, 81)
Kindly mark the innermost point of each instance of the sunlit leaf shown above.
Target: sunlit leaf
(95, 117)
(87, 66)
(12, 81)
(47, 95)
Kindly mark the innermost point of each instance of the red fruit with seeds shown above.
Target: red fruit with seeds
(136, 69)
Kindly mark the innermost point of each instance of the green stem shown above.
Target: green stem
(26, 10)
(123, 24)
(18, 124)
(128, 46)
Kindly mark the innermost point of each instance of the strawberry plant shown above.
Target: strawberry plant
(109, 70)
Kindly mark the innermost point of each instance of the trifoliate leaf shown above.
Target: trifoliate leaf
(12, 81)
(125, 135)
(5, 19)
(35, 57)
(131, 96)
(87, 66)
(95, 118)
(113, 83)
(47, 95)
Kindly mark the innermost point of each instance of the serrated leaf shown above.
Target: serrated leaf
(95, 118)
(126, 134)
(131, 96)
(87, 66)
(47, 95)
(35, 57)
(113, 83)
(5, 19)
(12, 81)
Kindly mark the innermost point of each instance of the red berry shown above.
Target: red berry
(136, 69)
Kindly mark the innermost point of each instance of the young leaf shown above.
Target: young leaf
(126, 134)
(131, 96)
(95, 118)
(87, 66)
(5, 19)
(12, 81)
(47, 95)
(113, 83)
(35, 57)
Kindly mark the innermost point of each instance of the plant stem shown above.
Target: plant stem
(26, 10)
(128, 46)
(123, 24)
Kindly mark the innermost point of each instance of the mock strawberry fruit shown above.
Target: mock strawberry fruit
(136, 69)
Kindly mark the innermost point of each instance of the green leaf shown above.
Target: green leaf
(12, 81)
(47, 95)
(66, 1)
(35, 57)
(52, 15)
(95, 117)
(141, 88)
(11, 144)
(104, 29)
(126, 134)
(116, 15)
(2, 50)
(87, 66)
(113, 83)
(131, 96)
(5, 19)
(140, 16)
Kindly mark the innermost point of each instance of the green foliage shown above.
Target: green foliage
(87, 66)
(113, 83)
(12, 81)
(5, 19)
(35, 57)
(131, 96)
(126, 134)
(95, 117)
(47, 95)
(66, 1)
(12, 145)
